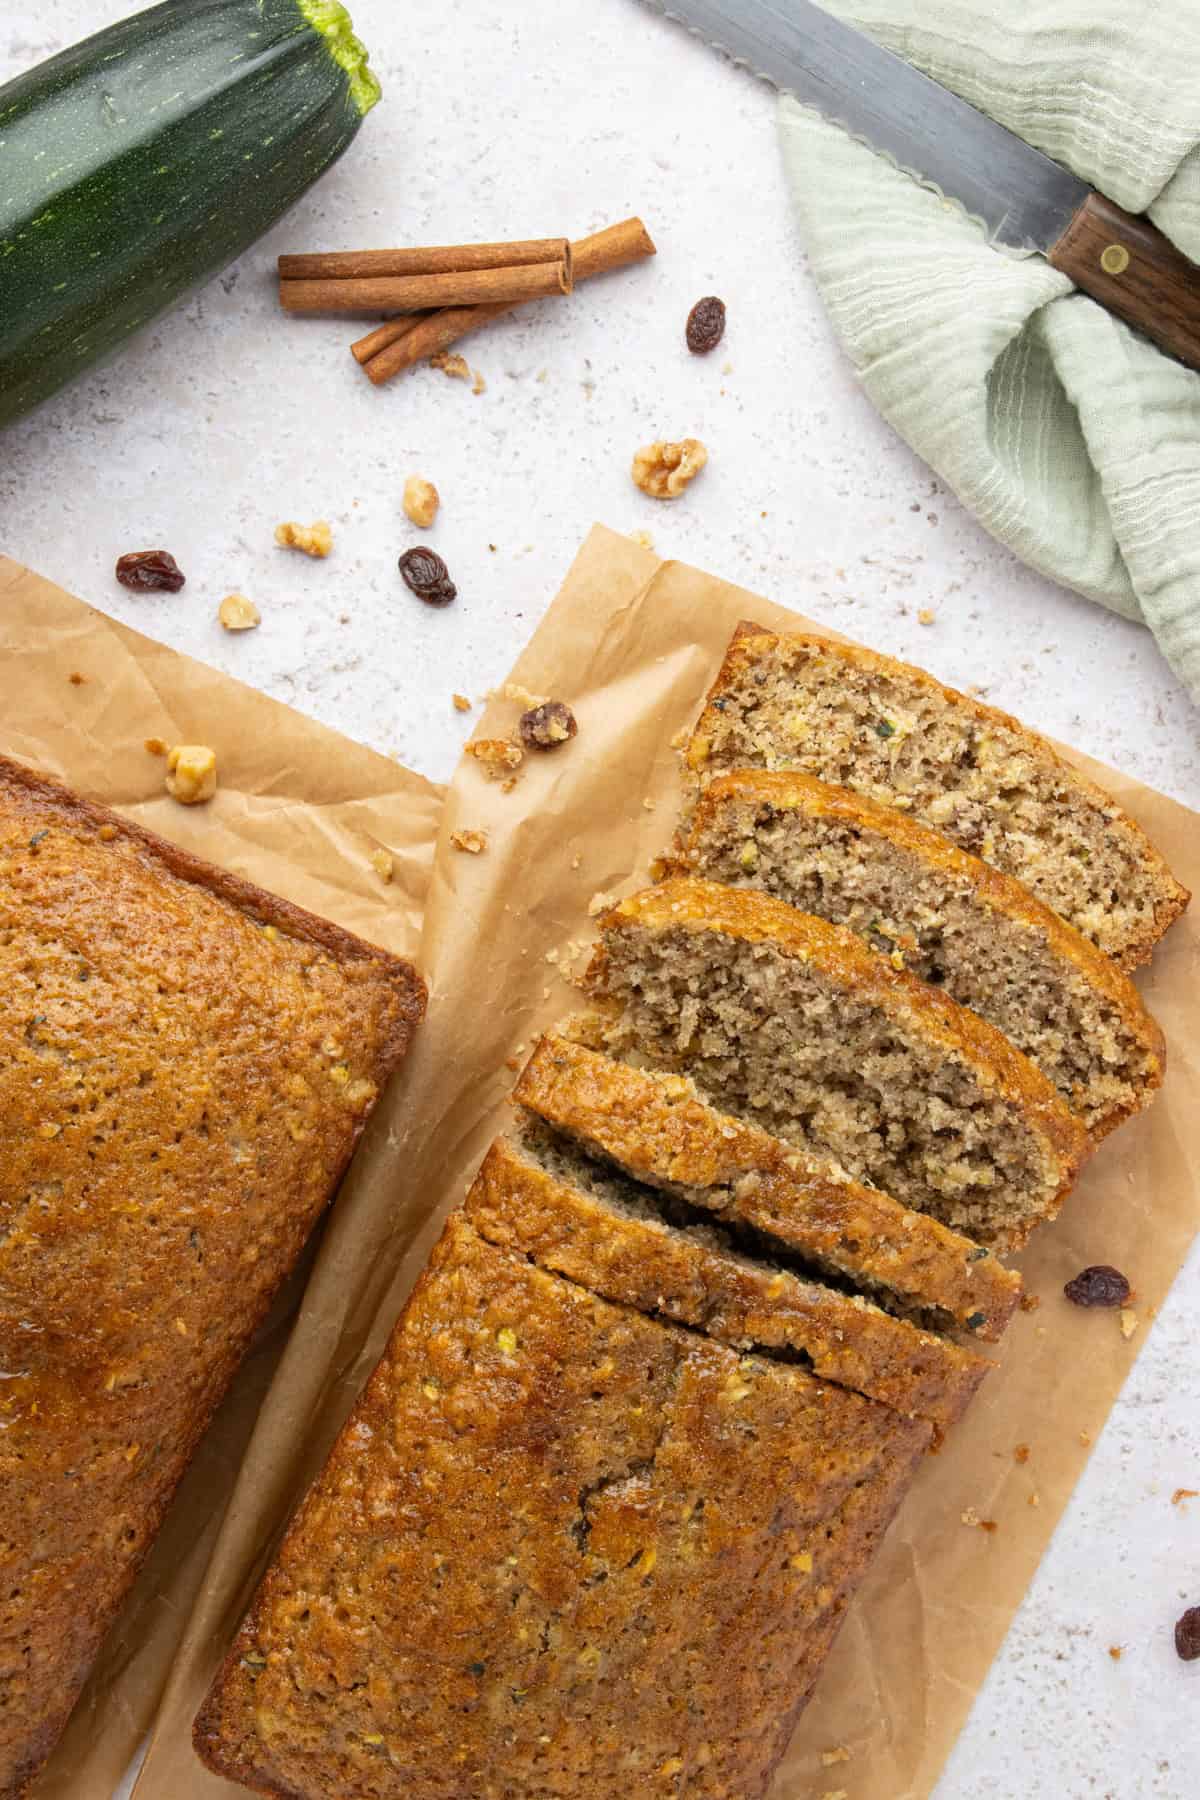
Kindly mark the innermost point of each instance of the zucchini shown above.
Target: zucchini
(143, 160)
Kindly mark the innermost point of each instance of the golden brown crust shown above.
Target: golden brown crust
(754, 917)
(518, 1206)
(993, 890)
(657, 1129)
(170, 1130)
(559, 1548)
(749, 643)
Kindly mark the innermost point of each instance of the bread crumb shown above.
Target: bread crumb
(1021, 1453)
(727, 368)
(157, 747)
(461, 703)
(836, 1794)
(644, 539)
(420, 501)
(838, 1755)
(236, 613)
(313, 540)
(1085, 1438)
(382, 864)
(1030, 1302)
(680, 740)
(1129, 1321)
(474, 843)
(1181, 1494)
(478, 384)
(926, 616)
(520, 696)
(76, 679)
(513, 1063)
(506, 787)
(599, 903)
(191, 774)
(1035, 1499)
(577, 862)
(552, 956)
(452, 364)
(970, 1516)
(1114, 1650)
(649, 805)
(988, 1525)
(496, 757)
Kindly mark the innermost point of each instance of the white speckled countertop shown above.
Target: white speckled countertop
(559, 116)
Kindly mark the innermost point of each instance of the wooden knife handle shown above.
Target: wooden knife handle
(1126, 263)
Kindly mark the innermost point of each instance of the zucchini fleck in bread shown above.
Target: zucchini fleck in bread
(865, 721)
(543, 1199)
(794, 1023)
(946, 916)
(186, 1064)
(656, 1128)
(560, 1549)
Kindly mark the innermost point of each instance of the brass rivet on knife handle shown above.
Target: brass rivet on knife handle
(1126, 263)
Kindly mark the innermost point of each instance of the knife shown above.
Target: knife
(1025, 200)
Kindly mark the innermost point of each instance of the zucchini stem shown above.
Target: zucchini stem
(331, 19)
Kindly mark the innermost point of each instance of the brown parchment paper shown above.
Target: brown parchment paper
(632, 644)
(299, 810)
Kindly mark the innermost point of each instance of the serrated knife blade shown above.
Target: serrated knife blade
(1024, 199)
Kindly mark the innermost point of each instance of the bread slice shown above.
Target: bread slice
(946, 916)
(186, 1065)
(864, 721)
(539, 1196)
(656, 1129)
(560, 1548)
(795, 1024)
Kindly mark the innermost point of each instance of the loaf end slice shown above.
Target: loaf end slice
(538, 1195)
(947, 917)
(559, 1548)
(186, 1064)
(656, 1129)
(794, 1024)
(861, 720)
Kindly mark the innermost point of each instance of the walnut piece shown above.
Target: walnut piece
(496, 756)
(421, 501)
(314, 540)
(663, 470)
(236, 613)
(473, 842)
(547, 726)
(191, 773)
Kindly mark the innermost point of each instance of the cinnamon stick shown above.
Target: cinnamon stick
(413, 293)
(437, 259)
(401, 343)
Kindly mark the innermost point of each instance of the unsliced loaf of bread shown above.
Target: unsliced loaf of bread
(865, 721)
(796, 1024)
(186, 1064)
(656, 1128)
(539, 1196)
(560, 1549)
(946, 916)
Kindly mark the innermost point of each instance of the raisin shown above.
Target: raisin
(427, 576)
(547, 726)
(1187, 1635)
(705, 325)
(150, 572)
(1098, 1286)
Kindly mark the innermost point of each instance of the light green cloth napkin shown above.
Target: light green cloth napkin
(1072, 439)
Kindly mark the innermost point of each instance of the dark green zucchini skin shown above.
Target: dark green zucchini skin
(139, 162)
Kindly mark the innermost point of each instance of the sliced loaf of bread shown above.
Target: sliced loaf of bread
(656, 1129)
(865, 721)
(940, 912)
(794, 1023)
(537, 1195)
